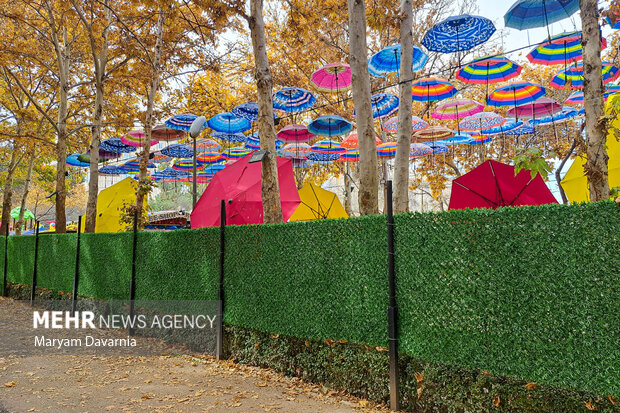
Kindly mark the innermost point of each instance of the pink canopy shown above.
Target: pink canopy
(239, 185)
(333, 77)
(295, 133)
(541, 108)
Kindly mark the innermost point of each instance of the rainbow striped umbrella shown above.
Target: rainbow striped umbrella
(540, 108)
(178, 150)
(457, 108)
(417, 150)
(479, 140)
(566, 114)
(437, 147)
(230, 137)
(509, 125)
(387, 150)
(164, 133)
(293, 99)
(235, 153)
(181, 122)
(514, 94)
(431, 89)
(210, 158)
(330, 125)
(564, 48)
(574, 75)
(455, 140)
(482, 120)
(433, 133)
(115, 145)
(296, 150)
(295, 133)
(488, 69)
(332, 77)
(387, 60)
(391, 125)
(136, 138)
(187, 165)
(351, 155)
(228, 123)
(204, 144)
(327, 146)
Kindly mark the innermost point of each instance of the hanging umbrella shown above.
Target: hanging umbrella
(488, 69)
(230, 137)
(509, 125)
(164, 133)
(479, 140)
(296, 150)
(187, 165)
(387, 150)
(515, 94)
(295, 133)
(317, 203)
(136, 138)
(330, 125)
(482, 120)
(322, 157)
(177, 150)
(248, 111)
(574, 75)
(235, 153)
(383, 104)
(72, 160)
(115, 145)
(351, 155)
(494, 184)
(293, 99)
(159, 158)
(540, 108)
(529, 14)
(458, 33)
(181, 122)
(455, 140)
(205, 145)
(437, 147)
(565, 114)
(457, 108)
(27, 214)
(525, 129)
(387, 60)
(105, 155)
(170, 173)
(134, 165)
(431, 89)
(209, 158)
(433, 133)
(253, 143)
(111, 170)
(351, 142)
(228, 123)
(564, 48)
(327, 146)
(333, 77)
(417, 150)
(391, 125)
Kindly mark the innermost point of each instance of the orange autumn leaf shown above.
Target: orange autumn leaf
(611, 399)
(419, 376)
(589, 405)
(496, 401)
(530, 386)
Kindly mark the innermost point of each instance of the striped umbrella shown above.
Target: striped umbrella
(181, 122)
(458, 33)
(295, 133)
(564, 48)
(210, 158)
(115, 145)
(417, 150)
(430, 89)
(230, 137)
(387, 60)
(482, 120)
(133, 165)
(72, 160)
(488, 69)
(383, 104)
(206, 145)
(566, 114)
(187, 165)
(540, 108)
(351, 142)
(177, 150)
(509, 125)
(327, 146)
(159, 158)
(228, 123)
(387, 150)
(235, 153)
(330, 125)
(514, 94)
(528, 14)
(164, 133)
(433, 133)
(574, 75)
(253, 143)
(136, 138)
(293, 99)
(391, 125)
(351, 155)
(479, 140)
(333, 77)
(457, 108)
(296, 150)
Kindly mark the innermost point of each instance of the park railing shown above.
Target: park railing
(531, 292)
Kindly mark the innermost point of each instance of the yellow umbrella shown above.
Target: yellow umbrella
(317, 203)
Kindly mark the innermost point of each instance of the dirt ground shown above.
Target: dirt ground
(168, 383)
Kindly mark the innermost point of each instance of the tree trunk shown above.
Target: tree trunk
(22, 210)
(7, 191)
(148, 121)
(558, 171)
(596, 152)
(369, 187)
(63, 57)
(347, 191)
(272, 208)
(403, 139)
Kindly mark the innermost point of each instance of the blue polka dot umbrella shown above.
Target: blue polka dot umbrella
(230, 137)
(248, 110)
(311, 162)
(509, 125)
(111, 170)
(293, 99)
(458, 33)
(235, 153)
(228, 123)
(170, 172)
(72, 160)
(115, 145)
(387, 60)
(178, 150)
(528, 14)
(323, 157)
(330, 125)
(181, 122)
(482, 120)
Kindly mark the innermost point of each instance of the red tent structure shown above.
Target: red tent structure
(494, 184)
(239, 185)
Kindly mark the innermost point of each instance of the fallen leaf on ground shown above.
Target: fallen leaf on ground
(10, 384)
(530, 386)
(496, 401)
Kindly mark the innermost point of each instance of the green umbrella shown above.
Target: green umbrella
(27, 214)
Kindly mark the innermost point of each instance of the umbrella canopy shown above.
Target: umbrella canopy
(209, 158)
(494, 184)
(564, 115)
(115, 145)
(387, 150)
(351, 155)
(514, 94)
(296, 150)
(488, 69)
(524, 129)
(106, 155)
(383, 104)
(253, 143)
(458, 33)
(437, 147)
(228, 123)
(170, 173)
(433, 133)
(391, 125)
(387, 60)
(235, 153)
(178, 150)
(293, 99)
(27, 214)
(181, 122)
(327, 146)
(164, 133)
(576, 98)
(159, 158)
(187, 165)
(111, 170)
(540, 108)
(563, 48)
(528, 14)
(72, 160)
(317, 203)
(248, 111)
(482, 120)
(295, 133)
(457, 108)
(133, 165)
(417, 150)
(240, 186)
(136, 138)
(330, 125)
(352, 142)
(205, 145)
(509, 125)
(230, 137)
(431, 89)
(574, 75)
(322, 157)
(333, 77)
(456, 140)
(479, 140)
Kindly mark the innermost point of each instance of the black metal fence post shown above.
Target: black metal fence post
(34, 271)
(76, 276)
(392, 309)
(219, 347)
(132, 284)
(6, 260)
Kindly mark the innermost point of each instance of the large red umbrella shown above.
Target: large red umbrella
(494, 184)
(239, 184)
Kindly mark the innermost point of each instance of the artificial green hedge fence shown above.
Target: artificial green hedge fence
(531, 292)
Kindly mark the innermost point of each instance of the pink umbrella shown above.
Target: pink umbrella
(332, 77)
(295, 133)
(540, 108)
(136, 138)
(457, 108)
